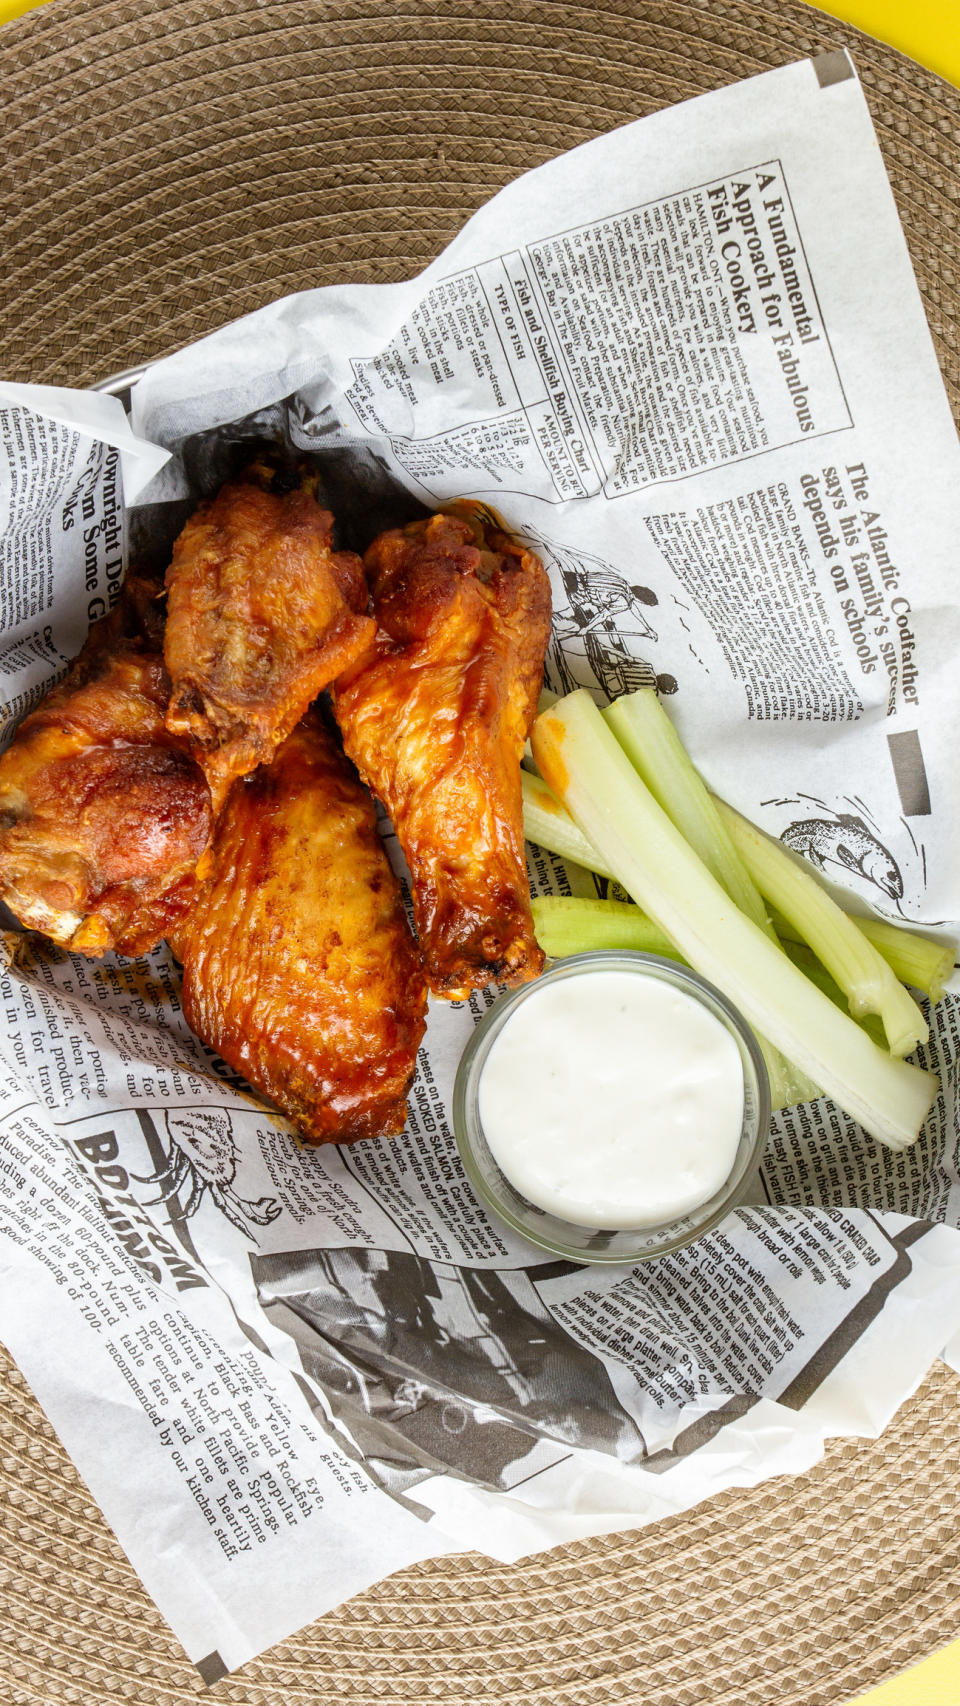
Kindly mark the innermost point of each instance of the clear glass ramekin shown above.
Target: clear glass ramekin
(586, 1243)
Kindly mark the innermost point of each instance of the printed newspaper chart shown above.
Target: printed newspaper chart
(688, 364)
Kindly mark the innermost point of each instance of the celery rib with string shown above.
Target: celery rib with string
(566, 925)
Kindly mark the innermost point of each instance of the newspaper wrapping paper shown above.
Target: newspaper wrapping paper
(688, 363)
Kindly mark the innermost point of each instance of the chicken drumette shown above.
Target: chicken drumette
(299, 967)
(261, 614)
(435, 714)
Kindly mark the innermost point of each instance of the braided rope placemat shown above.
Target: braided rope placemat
(168, 165)
(171, 164)
(800, 1592)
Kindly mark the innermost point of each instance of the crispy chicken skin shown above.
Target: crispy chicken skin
(299, 967)
(261, 615)
(435, 715)
(102, 817)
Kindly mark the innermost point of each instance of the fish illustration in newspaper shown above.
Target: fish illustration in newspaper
(846, 841)
(203, 1159)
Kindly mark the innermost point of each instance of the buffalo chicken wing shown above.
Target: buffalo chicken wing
(299, 967)
(435, 714)
(102, 816)
(261, 614)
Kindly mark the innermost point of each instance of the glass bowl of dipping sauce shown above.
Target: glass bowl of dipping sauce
(612, 1110)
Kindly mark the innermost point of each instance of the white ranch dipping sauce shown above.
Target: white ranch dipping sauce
(612, 1100)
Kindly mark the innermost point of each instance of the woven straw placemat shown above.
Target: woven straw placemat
(168, 165)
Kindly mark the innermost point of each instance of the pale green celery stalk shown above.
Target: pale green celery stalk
(548, 823)
(913, 959)
(852, 961)
(657, 753)
(568, 925)
(580, 759)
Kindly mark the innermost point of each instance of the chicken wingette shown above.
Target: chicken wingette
(103, 816)
(299, 967)
(435, 714)
(261, 614)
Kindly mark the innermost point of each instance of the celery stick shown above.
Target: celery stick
(852, 961)
(548, 824)
(657, 753)
(573, 926)
(914, 959)
(581, 761)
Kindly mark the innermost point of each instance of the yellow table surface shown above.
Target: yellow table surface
(928, 31)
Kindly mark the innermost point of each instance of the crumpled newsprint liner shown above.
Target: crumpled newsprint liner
(688, 363)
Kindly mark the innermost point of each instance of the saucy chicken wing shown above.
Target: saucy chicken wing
(435, 714)
(103, 817)
(299, 967)
(261, 615)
